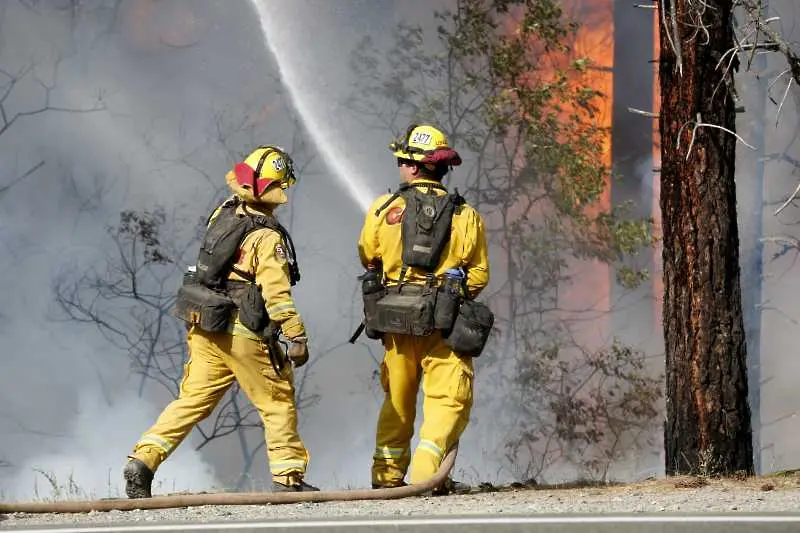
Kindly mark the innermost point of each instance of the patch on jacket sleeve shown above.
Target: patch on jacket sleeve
(280, 253)
(395, 215)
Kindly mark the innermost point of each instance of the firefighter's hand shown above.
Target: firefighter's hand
(298, 351)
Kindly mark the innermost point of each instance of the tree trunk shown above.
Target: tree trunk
(707, 428)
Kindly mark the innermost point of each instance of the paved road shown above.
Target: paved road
(640, 523)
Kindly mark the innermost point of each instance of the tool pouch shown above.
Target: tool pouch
(446, 310)
(209, 310)
(253, 309)
(372, 290)
(408, 311)
(471, 329)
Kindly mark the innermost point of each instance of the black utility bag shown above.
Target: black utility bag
(406, 310)
(209, 309)
(471, 329)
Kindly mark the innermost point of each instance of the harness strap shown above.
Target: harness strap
(246, 275)
(403, 272)
(403, 188)
(263, 221)
(357, 333)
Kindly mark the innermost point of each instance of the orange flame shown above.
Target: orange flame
(594, 41)
(590, 290)
(658, 280)
(150, 26)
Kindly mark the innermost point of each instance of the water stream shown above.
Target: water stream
(308, 110)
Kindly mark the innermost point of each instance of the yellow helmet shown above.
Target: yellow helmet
(264, 166)
(425, 144)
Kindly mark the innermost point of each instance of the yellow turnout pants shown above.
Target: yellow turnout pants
(215, 360)
(447, 386)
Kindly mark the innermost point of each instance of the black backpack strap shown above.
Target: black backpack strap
(403, 272)
(294, 267)
(396, 194)
(246, 275)
(231, 202)
(430, 282)
(270, 222)
(357, 333)
(403, 188)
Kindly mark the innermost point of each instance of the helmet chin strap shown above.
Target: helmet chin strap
(257, 172)
(288, 178)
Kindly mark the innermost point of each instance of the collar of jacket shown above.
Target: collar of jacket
(423, 181)
(245, 208)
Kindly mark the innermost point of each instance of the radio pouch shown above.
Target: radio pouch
(252, 309)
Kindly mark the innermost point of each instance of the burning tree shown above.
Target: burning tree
(708, 419)
(503, 82)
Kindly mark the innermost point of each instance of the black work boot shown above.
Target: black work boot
(138, 479)
(300, 486)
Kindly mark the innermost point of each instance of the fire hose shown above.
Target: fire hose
(236, 498)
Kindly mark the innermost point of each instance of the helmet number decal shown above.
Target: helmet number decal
(421, 138)
(278, 164)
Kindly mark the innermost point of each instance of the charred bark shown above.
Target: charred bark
(707, 429)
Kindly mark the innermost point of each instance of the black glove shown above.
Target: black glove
(298, 351)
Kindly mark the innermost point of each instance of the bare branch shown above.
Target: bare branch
(754, 10)
(672, 33)
(648, 114)
(9, 119)
(5, 188)
(789, 200)
(780, 107)
(697, 124)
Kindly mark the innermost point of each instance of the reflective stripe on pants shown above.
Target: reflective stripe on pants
(215, 360)
(447, 388)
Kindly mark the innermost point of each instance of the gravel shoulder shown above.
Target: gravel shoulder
(674, 495)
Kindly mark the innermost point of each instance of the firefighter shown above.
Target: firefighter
(387, 243)
(217, 358)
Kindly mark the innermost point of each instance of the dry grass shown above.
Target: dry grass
(690, 482)
(786, 480)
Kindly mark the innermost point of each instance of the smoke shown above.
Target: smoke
(766, 178)
(70, 409)
(85, 463)
(176, 110)
(186, 86)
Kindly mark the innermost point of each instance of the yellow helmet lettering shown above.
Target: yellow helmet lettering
(425, 144)
(264, 166)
